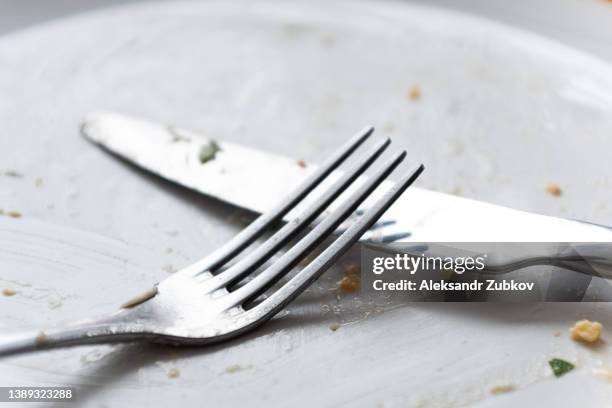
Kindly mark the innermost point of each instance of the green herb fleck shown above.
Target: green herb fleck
(560, 367)
(209, 151)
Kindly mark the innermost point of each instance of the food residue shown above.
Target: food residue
(334, 326)
(11, 173)
(233, 369)
(301, 163)
(9, 292)
(414, 92)
(140, 298)
(351, 281)
(603, 373)
(13, 214)
(38, 182)
(501, 389)
(41, 339)
(173, 373)
(586, 331)
(560, 367)
(209, 152)
(554, 190)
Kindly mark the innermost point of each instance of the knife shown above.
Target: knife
(253, 179)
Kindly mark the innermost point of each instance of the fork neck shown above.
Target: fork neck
(92, 331)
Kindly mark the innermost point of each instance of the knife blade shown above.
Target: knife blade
(253, 179)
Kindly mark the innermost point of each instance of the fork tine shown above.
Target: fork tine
(296, 285)
(259, 225)
(262, 253)
(288, 260)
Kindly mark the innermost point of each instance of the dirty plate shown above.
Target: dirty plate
(494, 113)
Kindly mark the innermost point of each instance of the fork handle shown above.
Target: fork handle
(105, 330)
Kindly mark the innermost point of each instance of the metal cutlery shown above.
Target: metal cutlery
(220, 296)
(235, 175)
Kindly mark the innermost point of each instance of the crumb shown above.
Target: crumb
(603, 373)
(301, 163)
(351, 281)
(9, 292)
(233, 369)
(173, 373)
(501, 389)
(14, 214)
(586, 331)
(140, 298)
(38, 182)
(554, 190)
(557, 334)
(11, 173)
(41, 339)
(334, 326)
(414, 92)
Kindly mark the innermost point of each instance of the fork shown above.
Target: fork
(222, 296)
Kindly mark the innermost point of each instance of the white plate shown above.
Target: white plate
(501, 114)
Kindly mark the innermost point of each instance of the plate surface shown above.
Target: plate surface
(501, 114)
